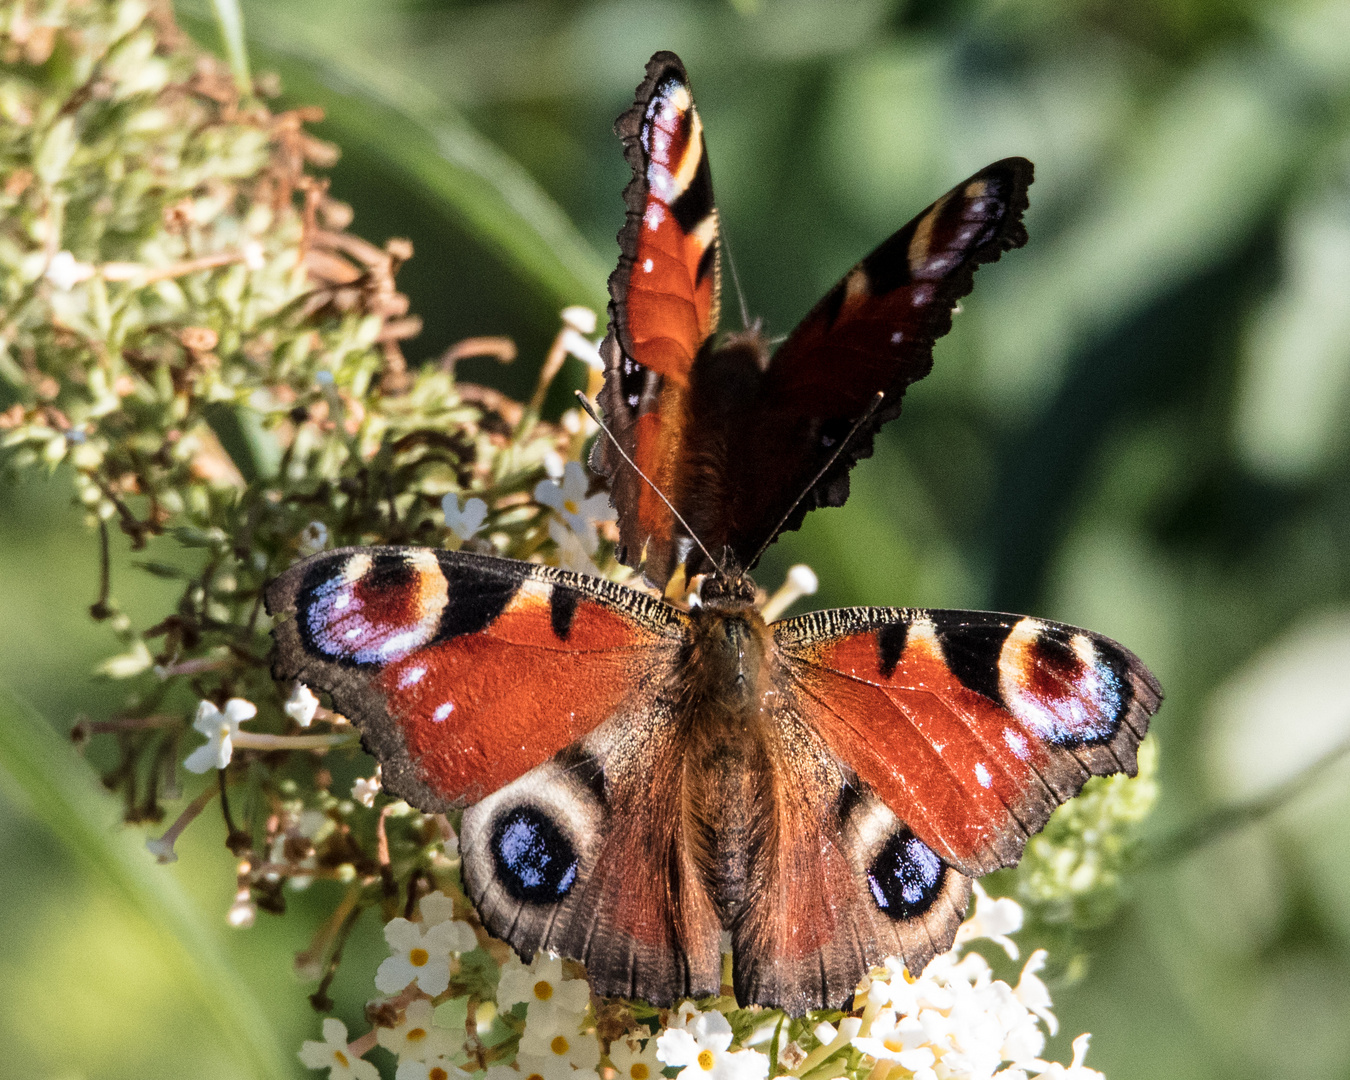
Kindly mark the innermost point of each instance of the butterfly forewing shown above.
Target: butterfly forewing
(664, 304)
(971, 726)
(464, 671)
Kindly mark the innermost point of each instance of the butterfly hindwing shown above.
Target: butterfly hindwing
(465, 671)
(840, 883)
(589, 856)
(971, 726)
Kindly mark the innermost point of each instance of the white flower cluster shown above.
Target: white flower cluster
(554, 1045)
(957, 1021)
(954, 1022)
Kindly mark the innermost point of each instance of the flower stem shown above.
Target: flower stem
(255, 740)
(162, 848)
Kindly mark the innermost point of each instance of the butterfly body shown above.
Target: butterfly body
(641, 777)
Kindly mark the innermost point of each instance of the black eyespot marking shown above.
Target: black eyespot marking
(535, 862)
(972, 651)
(562, 608)
(890, 645)
(906, 877)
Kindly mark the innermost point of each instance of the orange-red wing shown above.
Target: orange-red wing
(664, 302)
(840, 883)
(971, 727)
(465, 671)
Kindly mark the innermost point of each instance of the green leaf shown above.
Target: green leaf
(42, 773)
(230, 20)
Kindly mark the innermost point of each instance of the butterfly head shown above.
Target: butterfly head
(729, 588)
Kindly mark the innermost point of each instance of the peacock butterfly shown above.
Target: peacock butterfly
(642, 776)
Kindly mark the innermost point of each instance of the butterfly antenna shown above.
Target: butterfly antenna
(867, 415)
(590, 411)
(735, 277)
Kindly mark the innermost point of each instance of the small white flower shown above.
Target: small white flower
(302, 705)
(583, 348)
(550, 1068)
(1033, 994)
(700, 1051)
(571, 551)
(634, 1060)
(556, 1033)
(994, 918)
(466, 522)
(901, 1039)
(220, 729)
(541, 983)
(436, 908)
(577, 322)
(1075, 1070)
(332, 1054)
(801, 581)
(414, 1037)
(365, 790)
(65, 271)
(570, 502)
(580, 318)
(313, 538)
(254, 256)
(421, 957)
(437, 1068)
(555, 465)
(161, 847)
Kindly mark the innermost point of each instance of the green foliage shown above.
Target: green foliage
(1133, 426)
(192, 337)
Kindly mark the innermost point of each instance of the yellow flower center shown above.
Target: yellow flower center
(437, 1073)
(570, 505)
(416, 1034)
(543, 989)
(908, 977)
(893, 1044)
(418, 957)
(639, 1071)
(341, 1059)
(558, 1045)
(705, 1060)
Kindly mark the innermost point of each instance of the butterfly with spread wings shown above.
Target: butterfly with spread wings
(641, 776)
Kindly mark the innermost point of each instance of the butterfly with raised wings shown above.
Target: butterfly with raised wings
(642, 776)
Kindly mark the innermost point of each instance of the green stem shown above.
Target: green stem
(1230, 819)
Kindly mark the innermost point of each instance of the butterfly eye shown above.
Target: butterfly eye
(905, 877)
(535, 861)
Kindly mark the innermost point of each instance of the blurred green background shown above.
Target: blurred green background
(1137, 424)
